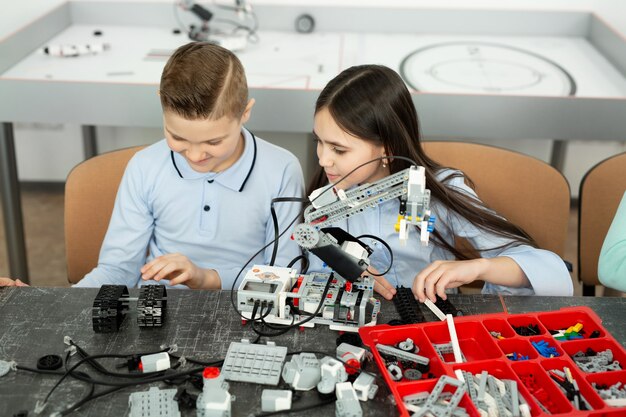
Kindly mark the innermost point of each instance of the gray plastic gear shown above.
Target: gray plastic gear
(306, 236)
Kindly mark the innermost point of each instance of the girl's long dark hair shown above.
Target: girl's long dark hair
(373, 103)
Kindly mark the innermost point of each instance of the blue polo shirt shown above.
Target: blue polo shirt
(217, 220)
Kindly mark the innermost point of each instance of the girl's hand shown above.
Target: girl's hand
(381, 285)
(178, 269)
(439, 275)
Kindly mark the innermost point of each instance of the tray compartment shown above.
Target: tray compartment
(541, 388)
(517, 349)
(475, 342)
(597, 345)
(555, 321)
(585, 389)
(529, 324)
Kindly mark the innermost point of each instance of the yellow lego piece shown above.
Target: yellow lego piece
(578, 327)
(397, 225)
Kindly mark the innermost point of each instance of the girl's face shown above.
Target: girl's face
(339, 153)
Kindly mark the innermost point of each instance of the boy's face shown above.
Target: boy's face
(339, 153)
(207, 145)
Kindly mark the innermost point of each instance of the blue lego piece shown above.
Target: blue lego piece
(431, 224)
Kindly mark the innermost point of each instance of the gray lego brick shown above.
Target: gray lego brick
(259, 364)
(153, 403)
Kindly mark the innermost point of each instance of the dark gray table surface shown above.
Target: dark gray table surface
(33, 322)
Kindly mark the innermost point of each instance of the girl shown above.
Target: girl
(366, 112)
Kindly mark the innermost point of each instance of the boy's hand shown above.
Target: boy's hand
(178, 269)
(381, 285)
(8, 282)
(439, 275)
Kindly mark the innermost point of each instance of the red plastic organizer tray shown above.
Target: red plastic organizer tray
(484, 352)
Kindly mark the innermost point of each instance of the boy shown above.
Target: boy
(199, 200)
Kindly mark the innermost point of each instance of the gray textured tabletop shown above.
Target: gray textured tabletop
(33, 322)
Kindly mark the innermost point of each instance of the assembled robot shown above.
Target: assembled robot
(280, 295)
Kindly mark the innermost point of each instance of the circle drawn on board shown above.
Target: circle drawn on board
(481, 67)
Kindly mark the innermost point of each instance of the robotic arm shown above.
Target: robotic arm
(347, 255)
(232, 41)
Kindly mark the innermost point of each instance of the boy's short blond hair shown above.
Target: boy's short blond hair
(204, 81)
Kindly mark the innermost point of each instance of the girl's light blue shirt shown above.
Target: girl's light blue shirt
(203, 216)
(545, 270)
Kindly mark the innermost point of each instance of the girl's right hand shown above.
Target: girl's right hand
(381, 285)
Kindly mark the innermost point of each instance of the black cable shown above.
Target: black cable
(285, 328)
(217, 362)
(388, 249)
(282, 330)
(148, 376)
(86, 400)
(328, 187)
(305, 263)
(81, 376)
(295, 410)
(254, 310)
(38, 371)
(80, 402)
(92, 386)
(275, 221)
(96, 365)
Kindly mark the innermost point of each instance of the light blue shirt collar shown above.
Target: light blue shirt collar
(234, 177)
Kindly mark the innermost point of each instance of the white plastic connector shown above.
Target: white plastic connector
(275, 400)
(347, 351)
(71, 349)
(6, 366)
(39, 407)
(364, 387)
(155, 362)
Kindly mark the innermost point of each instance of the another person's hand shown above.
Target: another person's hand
(381, 285)
(178, 269)
(436, 277)
(8, 282)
